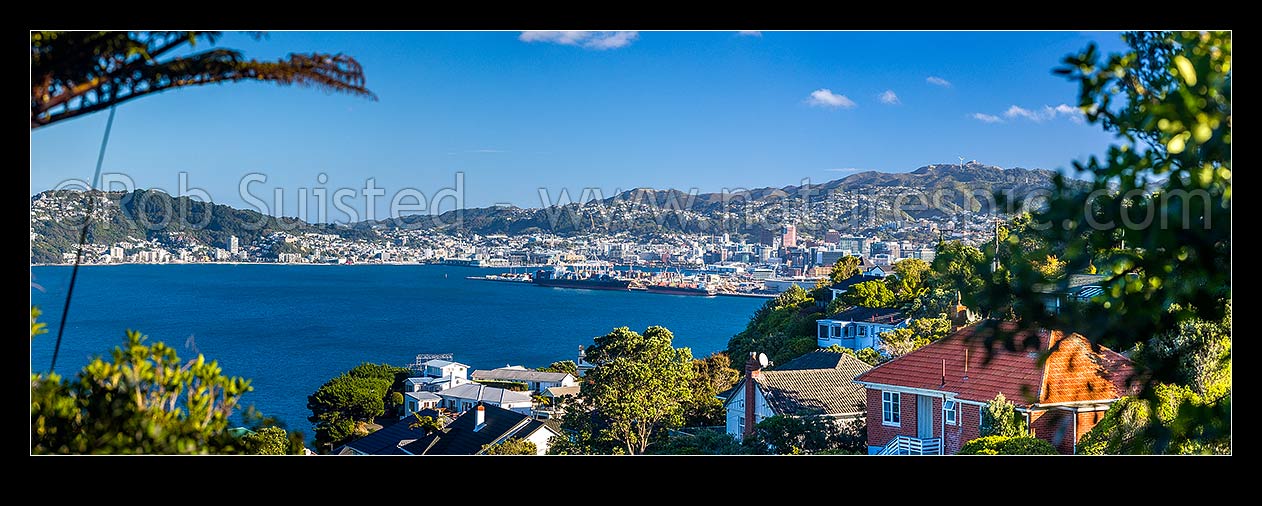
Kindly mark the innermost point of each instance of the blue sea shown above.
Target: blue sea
(289, 328)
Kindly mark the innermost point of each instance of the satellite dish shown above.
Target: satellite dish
(762, 359)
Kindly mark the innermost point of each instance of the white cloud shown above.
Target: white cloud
(938, 81)
(750, 33)
(587, 39)
(825, 97)
(1045, 114)
(986, 118)
(888, 97)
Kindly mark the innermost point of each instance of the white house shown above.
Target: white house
(443, 368)
(537, 381)
(819, 384)
(858, 327)
(464, 397)
(416, 401)
(437, 375)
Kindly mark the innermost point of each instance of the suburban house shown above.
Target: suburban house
(845, 284)
(465, 435)
(465, 397)
(819, 383)
(858, 327)
(438, 375)
(929, 401)
(483, 425)
(536, 381)
(416, 401)
(389, 439)
(558, 397)
(1072, 288)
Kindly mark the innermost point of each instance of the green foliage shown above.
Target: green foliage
(909, 280)
(845, 268)
(1155, 215)
(700, 442)
(80, 72)
(143, 400)
(791, 435)
(565, 366)
(710, 376)
(267, 441)
(396, 402)
(958, 269)
(37, 327)
(1200, 351)
(933, 301)
(429, 424)
(584, 432)
(1008, 445)
(873, 294)
(783, 328)
(917, 333)
(639, 384)
(1000, 418)
(870, 356)
(511, 446)
(356, 396)
(837, 348)
(1185, 423)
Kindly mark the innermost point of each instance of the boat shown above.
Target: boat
(680, 289)
(558, 278)
(511, 277)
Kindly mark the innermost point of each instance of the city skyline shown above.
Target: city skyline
(515, 112)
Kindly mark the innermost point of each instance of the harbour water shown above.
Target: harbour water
(289, 328)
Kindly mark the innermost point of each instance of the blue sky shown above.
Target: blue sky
(517, 112)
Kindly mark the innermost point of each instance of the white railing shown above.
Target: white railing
(903, 445)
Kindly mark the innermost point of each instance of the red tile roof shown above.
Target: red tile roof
(1072, 371)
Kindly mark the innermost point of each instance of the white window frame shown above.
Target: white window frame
(863, 330)
(954, 412)
(895, 401)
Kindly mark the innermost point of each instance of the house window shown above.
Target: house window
(863, 329)
(740, 424)
(836, 331)
(890, 409)
(951, 412)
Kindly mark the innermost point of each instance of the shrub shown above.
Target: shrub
(1005, 445)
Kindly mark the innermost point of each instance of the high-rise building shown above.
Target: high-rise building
(232, 244)
(790, 237)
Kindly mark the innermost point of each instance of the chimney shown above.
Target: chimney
(753, 370)
(479, 417)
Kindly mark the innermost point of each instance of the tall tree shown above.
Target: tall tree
(565, 366)
(909, 279)
(638, 385)
(710, 376)
(1155, 214)
(844, 268)
(356, 397)
(873, 294)
(77, 73)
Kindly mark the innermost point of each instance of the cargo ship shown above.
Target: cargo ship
(566, 279)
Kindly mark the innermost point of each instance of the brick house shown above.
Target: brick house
(930, 400)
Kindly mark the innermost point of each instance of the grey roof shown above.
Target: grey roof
(423, 396)
(886, 316)
(459, 437)
(818, 383)
(507, 374)
(560, 391)
(385, 441)
(476, 392)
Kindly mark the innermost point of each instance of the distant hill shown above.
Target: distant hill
(960, 187)
(867, 199)
(154, 215)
